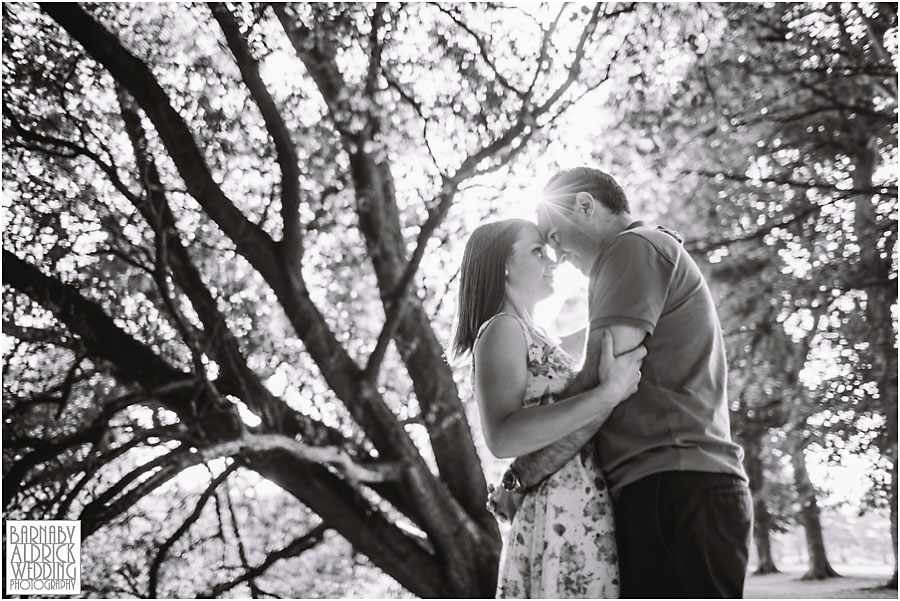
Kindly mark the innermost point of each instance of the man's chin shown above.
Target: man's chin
(583, 267)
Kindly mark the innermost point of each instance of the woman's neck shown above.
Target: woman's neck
(522, 309)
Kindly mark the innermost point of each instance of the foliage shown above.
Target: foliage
(779, 144)
(228, 234)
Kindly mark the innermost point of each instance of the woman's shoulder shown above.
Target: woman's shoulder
(503, 328)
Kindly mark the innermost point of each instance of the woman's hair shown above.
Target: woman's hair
(482, 279)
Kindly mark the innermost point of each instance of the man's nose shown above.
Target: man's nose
(556, 254)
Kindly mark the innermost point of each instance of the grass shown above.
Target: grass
(855, 584)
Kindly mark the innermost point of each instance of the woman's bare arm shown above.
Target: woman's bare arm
(511, 430)
(532, 468)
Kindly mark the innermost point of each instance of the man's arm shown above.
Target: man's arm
(531, 469)
(574, 343)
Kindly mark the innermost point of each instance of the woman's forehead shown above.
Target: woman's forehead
(530, 234)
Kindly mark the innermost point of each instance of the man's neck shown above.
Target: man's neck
(625, 221)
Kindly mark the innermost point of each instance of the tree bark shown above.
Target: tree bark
(762, 519)
(879, 298)
(819, 567)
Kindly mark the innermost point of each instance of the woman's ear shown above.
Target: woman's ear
(584, 204)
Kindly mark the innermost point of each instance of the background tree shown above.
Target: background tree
(778, 147)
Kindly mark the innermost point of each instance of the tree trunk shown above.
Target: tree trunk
(880, 295)
(762, 519)
(819, 567)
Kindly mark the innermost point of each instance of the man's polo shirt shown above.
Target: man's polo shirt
(678, 418)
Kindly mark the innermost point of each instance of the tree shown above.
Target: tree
(190, 227)
(810, 516)
(779, 139)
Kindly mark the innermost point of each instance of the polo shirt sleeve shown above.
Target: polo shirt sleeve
(629, 284)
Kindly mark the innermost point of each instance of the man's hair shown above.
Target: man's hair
(482, 279)
(562, 188)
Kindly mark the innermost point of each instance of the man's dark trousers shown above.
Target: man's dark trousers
(684, 534)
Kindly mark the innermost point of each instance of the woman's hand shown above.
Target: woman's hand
(619, 376)
(504, 503)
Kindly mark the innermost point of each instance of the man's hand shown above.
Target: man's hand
(504, 503)
(619, 374)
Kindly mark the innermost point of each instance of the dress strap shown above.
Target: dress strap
(522, 323)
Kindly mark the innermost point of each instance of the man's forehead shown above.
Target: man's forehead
(547, 222)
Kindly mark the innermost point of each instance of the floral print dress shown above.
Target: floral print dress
(561, 543)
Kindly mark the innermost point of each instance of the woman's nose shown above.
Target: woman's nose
(550, 262)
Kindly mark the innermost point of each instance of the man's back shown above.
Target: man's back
(678, 418)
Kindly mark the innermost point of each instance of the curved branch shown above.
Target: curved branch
(292, 549)
(482, 50)
(406, 557)
(76, 150)
(94, 462)
(45, 450)
(129, 360)
(236, 377)
(335, 457)
(160, 556)
(277, 128)
(134, 75)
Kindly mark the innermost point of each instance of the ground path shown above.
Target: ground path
(788, 585)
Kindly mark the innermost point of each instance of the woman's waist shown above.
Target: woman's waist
(578, 472)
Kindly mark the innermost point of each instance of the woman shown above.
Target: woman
(561, 542)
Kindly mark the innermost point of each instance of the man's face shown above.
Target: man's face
(567, 234)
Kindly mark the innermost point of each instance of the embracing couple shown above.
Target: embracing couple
(626, 481)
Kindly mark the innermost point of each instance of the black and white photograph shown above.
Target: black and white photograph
(396, 300)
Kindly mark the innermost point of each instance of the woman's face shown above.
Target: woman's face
(530, 268)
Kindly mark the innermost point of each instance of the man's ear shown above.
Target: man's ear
(584, 204)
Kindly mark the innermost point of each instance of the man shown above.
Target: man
(682, 506)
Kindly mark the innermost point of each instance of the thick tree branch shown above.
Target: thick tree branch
(236, 377)
(406, 557)
(420, 350)
(46, 449)
(277, 128)
(128, 359)
(335, 457)
(135, 76)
